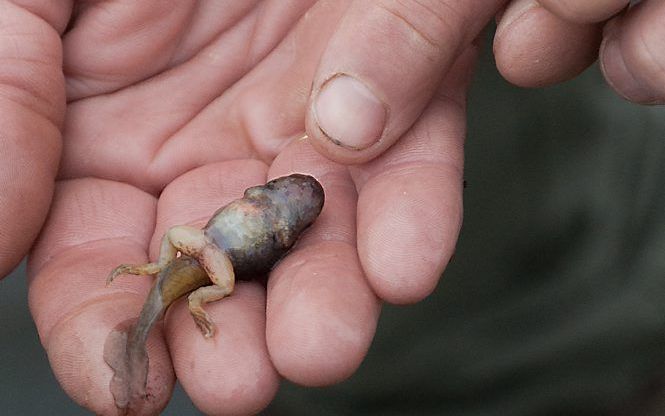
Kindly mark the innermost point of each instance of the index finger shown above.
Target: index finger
(230, 373)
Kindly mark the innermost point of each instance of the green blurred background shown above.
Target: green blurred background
(554, 304)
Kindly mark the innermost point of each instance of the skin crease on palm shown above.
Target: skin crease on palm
(174, 108)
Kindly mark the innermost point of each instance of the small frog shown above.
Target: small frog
(242, 240)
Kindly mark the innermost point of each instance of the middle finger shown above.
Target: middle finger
(230, 373)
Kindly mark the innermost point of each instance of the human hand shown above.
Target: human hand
(545, 42)
(177, 107)
(32, 107)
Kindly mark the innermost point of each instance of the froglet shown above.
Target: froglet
(242, 240)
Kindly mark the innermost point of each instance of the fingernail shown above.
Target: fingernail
(348, 113)
(619, 76)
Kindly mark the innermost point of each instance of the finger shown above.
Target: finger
(410, 204)
(93, 226)
(382, 66)
(632, 56)
(55, 14)
(153, 36)
(321, 313)
(231, 373)
(534, 47)
(589, 11)
(204, 126)
(145, 34)
(32, 107)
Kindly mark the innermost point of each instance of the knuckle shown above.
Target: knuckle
(434, 24)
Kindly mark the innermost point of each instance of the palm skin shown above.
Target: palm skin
(173, 110)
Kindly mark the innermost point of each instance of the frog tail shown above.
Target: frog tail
(125, 348)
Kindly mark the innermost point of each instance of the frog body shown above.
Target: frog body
(259, 229)
(242, 240)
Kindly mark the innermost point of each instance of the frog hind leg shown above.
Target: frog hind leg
(188, 240)
(220, 270)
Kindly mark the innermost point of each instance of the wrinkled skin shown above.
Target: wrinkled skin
(175, 107)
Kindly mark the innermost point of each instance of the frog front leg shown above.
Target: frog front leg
(187, 240)
(180, 238)
(217, 265)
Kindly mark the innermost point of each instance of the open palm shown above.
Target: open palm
(174, 108)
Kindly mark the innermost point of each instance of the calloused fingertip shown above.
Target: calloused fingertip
(409, 237)
(321, 314)
(75, 351)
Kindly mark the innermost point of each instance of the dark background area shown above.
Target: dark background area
(554, 304)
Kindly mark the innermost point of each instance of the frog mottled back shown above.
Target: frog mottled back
(257, 230)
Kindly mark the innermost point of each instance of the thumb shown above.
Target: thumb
(382, 66)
